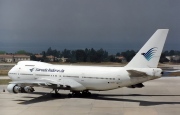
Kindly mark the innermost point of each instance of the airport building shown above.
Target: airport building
(174, 58)
(10, 58)
(122, 58)
(50, 58)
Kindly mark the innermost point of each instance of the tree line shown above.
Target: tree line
(101, 55)
(91, 55)
(86, 55)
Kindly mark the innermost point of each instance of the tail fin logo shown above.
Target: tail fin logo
(150, 53)
(31, 69)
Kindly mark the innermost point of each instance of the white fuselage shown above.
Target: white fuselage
(91, 77)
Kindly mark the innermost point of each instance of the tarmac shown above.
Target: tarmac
(4, 77)
(158, 97)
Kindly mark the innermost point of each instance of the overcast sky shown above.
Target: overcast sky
(114, 25)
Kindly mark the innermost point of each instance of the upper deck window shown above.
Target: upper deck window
(29, 65)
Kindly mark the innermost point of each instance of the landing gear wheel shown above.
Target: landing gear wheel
(69, 95)
(86, 94)
(89, 94)
(76, 94)
(56, 94)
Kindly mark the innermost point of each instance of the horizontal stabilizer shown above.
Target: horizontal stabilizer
(135, 73)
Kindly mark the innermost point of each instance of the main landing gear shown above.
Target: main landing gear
(84, 93)
(56, 94)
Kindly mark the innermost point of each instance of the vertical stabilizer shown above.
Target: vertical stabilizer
(149, 55)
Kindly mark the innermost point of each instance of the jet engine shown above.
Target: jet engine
(14, 88)
(28, 89)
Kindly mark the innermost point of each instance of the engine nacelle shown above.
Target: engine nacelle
(28, 89)
(14, 88)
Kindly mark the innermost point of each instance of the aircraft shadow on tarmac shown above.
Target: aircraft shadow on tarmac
(141, 102)
(108, 97)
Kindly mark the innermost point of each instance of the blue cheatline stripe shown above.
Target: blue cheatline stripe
(150, 53)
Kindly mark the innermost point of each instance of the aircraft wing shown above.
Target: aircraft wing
(33, 82)
(62, 84)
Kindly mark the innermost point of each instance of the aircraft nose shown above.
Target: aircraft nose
(11, 73)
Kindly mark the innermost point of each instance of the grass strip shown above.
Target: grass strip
(4, 72)
(5, 81)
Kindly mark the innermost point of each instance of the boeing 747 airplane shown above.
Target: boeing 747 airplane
(81, 79)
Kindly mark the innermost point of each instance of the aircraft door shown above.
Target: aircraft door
(18, 72)
(33, 70)
(82, 76)
(118, 80)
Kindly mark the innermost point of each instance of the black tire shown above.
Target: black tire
(55, 95)
(70, 95)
